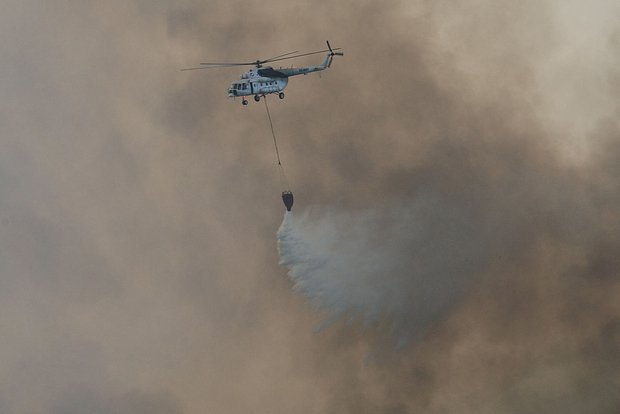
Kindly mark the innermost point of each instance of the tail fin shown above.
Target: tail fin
(328, 61)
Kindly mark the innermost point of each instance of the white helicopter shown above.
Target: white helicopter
(263, 80)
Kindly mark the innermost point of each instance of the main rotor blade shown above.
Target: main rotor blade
(201, 67)
(284, 56)
(296, 56)
(279, 56)
(216, 66)
(227, 64)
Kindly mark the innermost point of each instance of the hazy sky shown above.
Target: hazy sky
(462, 157)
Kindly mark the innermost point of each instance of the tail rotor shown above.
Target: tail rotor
(331, 51)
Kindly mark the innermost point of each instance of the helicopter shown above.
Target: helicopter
(263, 80)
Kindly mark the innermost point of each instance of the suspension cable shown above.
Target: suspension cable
(283, 179)
(275, 143)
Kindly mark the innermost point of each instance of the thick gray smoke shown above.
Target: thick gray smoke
(461, 161)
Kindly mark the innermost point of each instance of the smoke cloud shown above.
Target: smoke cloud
(456, 191)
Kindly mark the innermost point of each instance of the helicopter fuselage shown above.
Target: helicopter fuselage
(254, 82)
(261, 81)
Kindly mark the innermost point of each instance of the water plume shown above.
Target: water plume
(406, 266)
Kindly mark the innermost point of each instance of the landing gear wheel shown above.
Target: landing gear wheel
(244, 102)
(256, 98)
(281, 95)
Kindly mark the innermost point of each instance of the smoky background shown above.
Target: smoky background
(139, 206)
